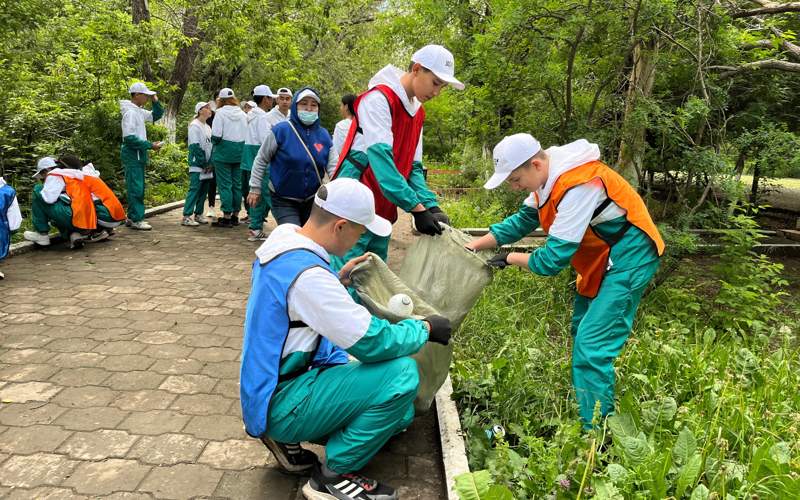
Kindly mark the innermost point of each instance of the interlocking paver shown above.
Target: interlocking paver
(119, 378)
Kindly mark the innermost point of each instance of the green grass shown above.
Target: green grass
(784, 182)
(706, 388)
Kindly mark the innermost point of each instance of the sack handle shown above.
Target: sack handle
(313, 161)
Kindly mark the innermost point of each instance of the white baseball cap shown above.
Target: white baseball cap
(263, 90)
(140, 88)
(284, 91)
(200, 105)
(439, 60)
(510, 153)
(252, 104)
(44, 164)
(308, 93)
(351, 200)
(225, 93)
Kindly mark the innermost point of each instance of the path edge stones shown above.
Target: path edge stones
(451, 438)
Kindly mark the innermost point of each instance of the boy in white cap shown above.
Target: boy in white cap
(64, 201)
(296, 381)
(135, 147)
(280, 113)
(383, 148)
(595, 221)
(257, 127)
(228, 133)
(10, 218)
(200, 168)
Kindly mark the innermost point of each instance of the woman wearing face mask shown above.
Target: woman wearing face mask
(295, 156)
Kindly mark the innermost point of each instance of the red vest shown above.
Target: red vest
(406, 130)
(591, 259)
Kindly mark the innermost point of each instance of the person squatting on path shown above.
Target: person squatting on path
(227, 136)
(10, 218)
(296, 383)
(595, 220)
(200, 168)
(295, 156)
(258, 126)
(107, 206)
(384, 145)
(135, 146)
(65, 200)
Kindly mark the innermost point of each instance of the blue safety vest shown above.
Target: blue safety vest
(7, 195)
(266, 328)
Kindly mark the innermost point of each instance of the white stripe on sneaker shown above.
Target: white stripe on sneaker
(357, 492)
(342, 484)
(350, 487)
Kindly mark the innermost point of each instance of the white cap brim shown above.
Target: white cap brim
(450, 79)
(149, 92)
(495, 180)
(380, 226)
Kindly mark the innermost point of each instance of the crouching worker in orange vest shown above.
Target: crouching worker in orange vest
(597, 222)
(108, 208)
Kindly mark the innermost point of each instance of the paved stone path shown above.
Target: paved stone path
(119, 370)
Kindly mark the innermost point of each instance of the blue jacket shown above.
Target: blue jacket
(291, 171)
(7, 195)
(266, 328)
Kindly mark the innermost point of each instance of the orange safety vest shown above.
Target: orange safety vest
(83, 213)
(100, 189)
(591, 259)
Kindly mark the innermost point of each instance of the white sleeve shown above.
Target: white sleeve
(195, 135)
(319, 300)
(375, 120)
(333, 160)
(340, 135)
(216, 127)
(128, 124)
(418, 152)
(14, 215)
(262, 129)
(53, 187)
(575, 211)
(147, 115)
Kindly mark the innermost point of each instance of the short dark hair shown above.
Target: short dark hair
(259, 98)
(70, 161)
(349, 100)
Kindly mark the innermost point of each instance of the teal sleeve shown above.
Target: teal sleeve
(158, 111)
(515, 227)
(554, 256)
(384, 340)
(197, 157)
(134, 142)
(417, 182)
(393, 185)
(215, 139)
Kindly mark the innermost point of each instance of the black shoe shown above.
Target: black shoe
(234, 220)
(222, 222)
(291, 457)
(346, 487)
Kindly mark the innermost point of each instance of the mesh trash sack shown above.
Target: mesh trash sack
(441, 277)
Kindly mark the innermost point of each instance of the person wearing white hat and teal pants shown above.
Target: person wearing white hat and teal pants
(135, 147)
(257, 127)
(384, 145)
(296, 382)
(228, 133)
(200, 170)
(594, 221)
(10, 218)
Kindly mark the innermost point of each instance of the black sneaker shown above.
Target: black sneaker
(234, 220)
(291, 457)
(222, 222)
(346, 487)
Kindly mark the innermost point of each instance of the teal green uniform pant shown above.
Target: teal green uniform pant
(368, 242)
(196, 196)
(134, 184)
(103, 214)
(357, 407)
(59, 214)
(229, 186)
(245, 188)
(600, 327)
(260, 211)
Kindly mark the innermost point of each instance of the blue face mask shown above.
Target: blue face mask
(307, 117)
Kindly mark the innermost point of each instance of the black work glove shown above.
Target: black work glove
(440, 329)
(426, 223)
(499, 261)
(440, 216)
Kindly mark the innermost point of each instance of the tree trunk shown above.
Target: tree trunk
(754, 186)
(640, 85)
(182, 71)
(140, 12)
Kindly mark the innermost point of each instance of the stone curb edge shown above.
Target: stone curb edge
(451, 438)
(26, 246)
